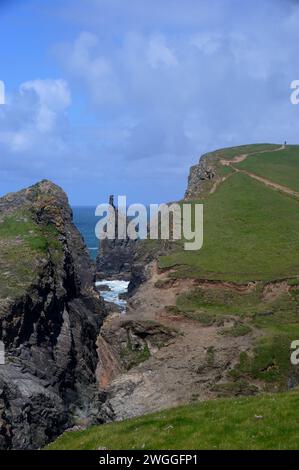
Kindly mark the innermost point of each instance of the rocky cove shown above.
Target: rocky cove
(90, 342)
(72, 356)
(152, 358)
(51, 315)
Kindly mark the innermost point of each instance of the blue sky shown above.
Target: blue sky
(122, 96)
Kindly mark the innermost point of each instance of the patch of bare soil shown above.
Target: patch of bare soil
(274, 290)
(237, 159)
(185, 367)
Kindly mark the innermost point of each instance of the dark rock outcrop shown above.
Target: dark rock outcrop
(50, 317)
(116, 257)
(129, 259)
(203, 172)
(125, 344)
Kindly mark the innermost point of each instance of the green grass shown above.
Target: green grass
(133, 357)
(251, 232)
(280, 167)
(259, 422)
(270, 362)
(23, 244)
(220, 302)
(231, 152)
(239, 329)
(276, 318)
(20, 225)
(235, 388)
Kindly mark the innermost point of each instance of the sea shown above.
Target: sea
(85, 220)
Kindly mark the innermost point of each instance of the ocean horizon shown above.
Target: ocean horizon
(85, 220)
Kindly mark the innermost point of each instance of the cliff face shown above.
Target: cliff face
(115, 258)
(50, 317)
(199, 175)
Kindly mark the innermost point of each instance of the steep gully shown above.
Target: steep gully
(184, 360)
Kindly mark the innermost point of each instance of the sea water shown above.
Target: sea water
(113, 294)
(85, 220)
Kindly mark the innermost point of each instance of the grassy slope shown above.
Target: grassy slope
(276, 318)
(21, 238)
(231, 152)
(263, 422)
(250, 233)
(281, 167)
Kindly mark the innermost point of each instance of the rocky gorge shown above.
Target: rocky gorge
(51, 314)
(72, 359)
(187, 335)
(152, 358)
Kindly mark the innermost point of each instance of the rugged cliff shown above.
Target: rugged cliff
(128, 259)
(199, 175)
(116, 257)
(50, 317)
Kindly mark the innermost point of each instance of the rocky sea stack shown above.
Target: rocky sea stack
(50, 318)
(116, 257)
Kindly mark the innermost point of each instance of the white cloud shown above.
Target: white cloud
(159, 54)
(208, 43)
(84, 61)
(164, 94)
(53, 98)
(157, 84)
(33, 116)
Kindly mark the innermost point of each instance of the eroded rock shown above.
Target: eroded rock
(50, 317)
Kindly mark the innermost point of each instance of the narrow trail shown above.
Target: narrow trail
(242, 157)
(218, 182)
(261, 179)
(269, 183)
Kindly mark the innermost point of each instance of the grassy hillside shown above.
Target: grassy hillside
(262, 422)
(250, 233)
(21, 238)
(269, 310)
(281, 167)
(246, 283)
(231, 152)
